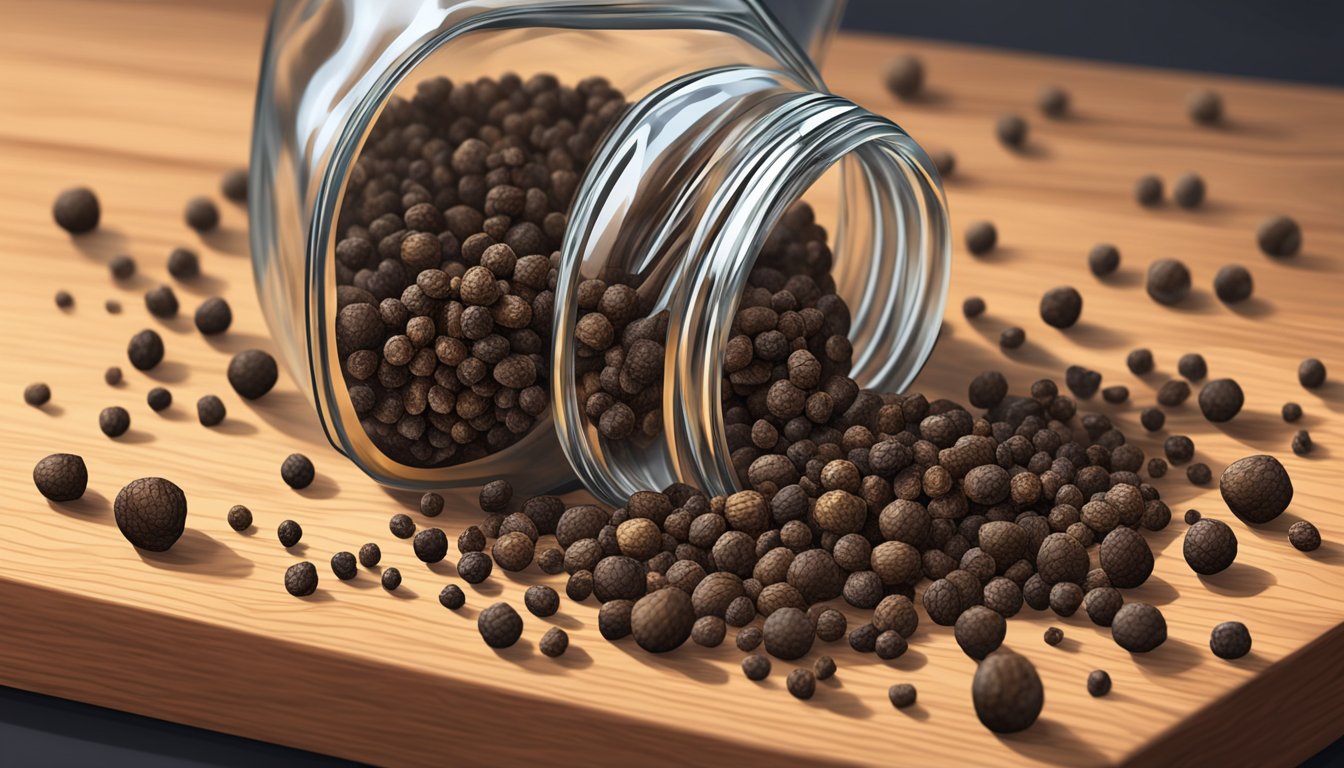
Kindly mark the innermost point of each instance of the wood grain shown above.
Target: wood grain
(149, 104)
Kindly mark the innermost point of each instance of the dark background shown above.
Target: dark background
(1282, 40)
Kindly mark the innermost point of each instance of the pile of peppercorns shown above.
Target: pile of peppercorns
(445, 263)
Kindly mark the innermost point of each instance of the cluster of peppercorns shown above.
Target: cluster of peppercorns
(445, 264)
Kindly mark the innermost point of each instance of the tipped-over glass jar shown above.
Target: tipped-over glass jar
(426, 223)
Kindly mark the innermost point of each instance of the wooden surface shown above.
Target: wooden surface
(149, 104)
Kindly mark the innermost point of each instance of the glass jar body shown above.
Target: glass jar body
(331, 67)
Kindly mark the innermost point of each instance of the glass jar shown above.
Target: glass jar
(728, 124)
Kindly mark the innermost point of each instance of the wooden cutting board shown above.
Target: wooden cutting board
(151, 103)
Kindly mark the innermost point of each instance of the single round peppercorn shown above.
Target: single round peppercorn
(252, 373)
(184, 264)
(708, 631)
(1168, 281)
(1311, 373)
(500, 625)
(1054, 636)
(297, 471)
(301, 579)
(943, 161)
(890, 645)
(289, 533)
(37, 395)
(1188, 191)
(1257, 488)
(749, 638)
(161, 302)
(64, 300)
(1192, 516)
(902, 695)
(122, 267)
(1230, 640)
(370, 555)
(905, 76)
(973, 307)
(1152, 419)
(1007, 692)
(1179, 449)
(1280, 237)
(452, 597)
(1304, 537)
(112, 376)
(1148, 191)
(430, 545)
(213, 316)
(824, 668)
(61, 477)
(344, 566)
(1192, 366)
(1210, 546)
(234, 185)
(1053, 101)
(1098, 683)
(554, 643)
(76, 210)
(802, 684)
(1233, 283)
(1199, 473)
(159, 399)
(114, 421)
(201, 214)
(1060, 307)
(1103, 259)
(391, 579)
(240, 518)
(145, 350)
(1012, 338)
(981, 238)
(979, 631)
(1291, 412)
(1204, 107)
(210, 410)
(1011, 131)
(151, 513)
(1138, 627)
(756, 667)
(541, 600)
(1220, 400)
(112, 306)
(431, 504)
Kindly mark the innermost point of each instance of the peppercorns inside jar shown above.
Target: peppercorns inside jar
(506, 203)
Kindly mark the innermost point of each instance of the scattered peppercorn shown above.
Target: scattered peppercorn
(1060, 307)
(554, 643)
(1233, 283)
(1152, 419)
(61, 477)
(112, 376)
(1011, 131)
(234, 185)
(802, 684)
(902, 695)
(1302, 442)
(301, 579)
(1230, 640)
(297, 471)
(1188, 191)
(452, 597)
(145, 350)
(1257, 488)
(151, 513)
(252, 373)
(64, 300)
(1279, 237)
(1304, 537)
(370, 555)
(201, 214)
(1168, 281)
(756, 667)
(240, 518)
(1291, 412)
(1082, 382)
(121, 266)
(161, 302)
(114, 421)
(475, 567)
(213, 316)
(159, 399)
(210, 410)
(1204, 107)
(37, 395)
(1098, 683)
(1103, 259)
(1179, 449)
(430, 545)
(76, 210)
(1311, 373)
(1220, 400)
(1054, 636)
(1007, 692)
(391, 579)
(1138, 627)
(973, 307)
(981, 237)
(500, 625)
(1199, 473)
(1148, 191)
(289, 533)
(905, 76)
(824, 668)
(1012, 338)
(343, 565)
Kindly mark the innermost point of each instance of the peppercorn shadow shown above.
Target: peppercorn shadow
(204, 285)
(1312, 262)
(198, 553)
(289, 413)
(1172, 657)
(1198, 302)
(403, 592)
(1239, 580)
(1254, 308)
(928, 98)
(169, 372)
(1154, 591)
(684, 663)
(322, 487)
(1122, 278)
(915, 711)
(232, 342)
(51, 409)
(1089, 334)
(230, 240)
(135, 437)
(831, 695)
(1257, 429)
(524, 654)
(92, 506)
(1053, 743)
(1331, 395)
(101, 244)
(235, 428)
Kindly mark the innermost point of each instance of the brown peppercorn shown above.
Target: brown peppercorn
(619, 577)
(1101, 604)
(981, 237)
(114, 421)
(979, 631)
(1279, 236)
(252, 373)
(577, 588)
(554, 643)
(788, 633)
(902, 695)
(1126, 558)
(210, 410)
(1103, 259)
(1003, 596)
(301, 579)
(1168, 281)
(1148, 191)
(1065, 598)
(1302, 444)
(513, 551)
(37, 395)
(289, 533)
(749, 638)
(905, 76)
(201, 214)
(1179, 449)
(213, 317)
(802, 684)
(1012, 338)
(145, 350)
(1230, 640)
(1257, 488)
(61, 477)
(756, 667)
(1311, 373)
(831, 625)
(1188, 191)
(824, 668)
(76, 210)
(708, 631)
(1054, 636)
(452, 597)
(390, 579)
(431, 545)
(613, 618)
(150, 512)
(890, 645)
(1199, 473)
(1220, 400)
(500, 625)
(1011, 131)
(987, 484)
(401, 526)
(159, 399)
(1138, 627)
(239, 518)
(942, 602)
(1098, 683)
(1060, 307)
(973, 307)
(1210, 546)
(1304, 536)
(1007, 692)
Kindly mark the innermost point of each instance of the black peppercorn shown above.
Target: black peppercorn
(452, 597)
(662, 621)
(64, 300)
(905, 76)
(1140, 361)
(213, 316)
(475, 567)
(1082, 382)
(541, 600)
(289, 533)
(756, 667)
(343, 565)
(1011, 131)
(61, 477)
(252, 373)
(1060, 307)
(297, 471)
(430, 545)
(801, 683)
(145, 350)
(1279, 237)
(1291, 412)
(210, 410)
(402, 526)
(1179, 449)
(1230, 640)
(554, 643)
(1007, 692)
(151, 513)
(902, 695)
(1220, 400)
(240, 518)
(1192, 516)
(1199, 473)
(1168, 281)
(1304, 537)
(979, 631)
(1301, 444)
(973, 307)
(1152, 419)
(121, 266)
(159, 399)
(1053, 101)
(370, 555)
(161, 302)
(391, 579)
(1189, 191)
(1012, 338)
(184, 264)
(37, 395)
(1311, 373)
(201, 214)
(1054, 636)
(1257, 488)
(76, 210)
(114, 421)
(1098, 683)
(431, 504)
(500, 625)
(234, 185)
(1148, 191)
(1103, 259)
(301, 579)
(824, 668)
(112, 376)
(981, 238)
(1138, 627)
(1232, 284)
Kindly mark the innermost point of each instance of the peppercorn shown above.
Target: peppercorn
(788, 633)
(151, 512)
(1257, 488)
(902, 695)
(1115, 395)
(802, 683)
(1148, 191)
(343, 565)
(1311, 373)
(1054, 636)
(61, 477)
(500, 625)
(943, 161)
(756, 667)
(161, 302)
(973, 307)
(213, 316)
(541, 600)
(114, 421)
(234, 185)
(145, 350)
(1060, 307)
(1279, 236)
(1152, 419)
(890, 645)
(1232, 284)
(577, 588)
(495, 496)
(1210, 546)
(64, 300)
(1188, 191)
(301, 579)
(240, 518)
(201, 214)
(1138, 627)
(1139, 361)
(749, 638)
(36, 395)
(554, 643)
(708, 631)
(1179, 449)
(979, 631)
(1220, 400)
(1304, 537)
(289, 533)
(1103, 259)
(297, 471)
(210, 410)
(391, 579)
(613, 619)
(159, 399)
(1082, 382)
(76, 210)
(551, 561)
(430, 545)
(452, 597)
(905, 76)
(1007, 692)
(981, 237)
(369, 555)
(1012, 338)
(1126, 558)
(513, 551)
(1098, 683)
(1168, 281)
(1230, 640)
(1011, 131)
(1199, 473)
(1065, 598)
(112, 376)
(252, 373)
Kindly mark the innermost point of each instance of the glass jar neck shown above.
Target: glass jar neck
(683, 193)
